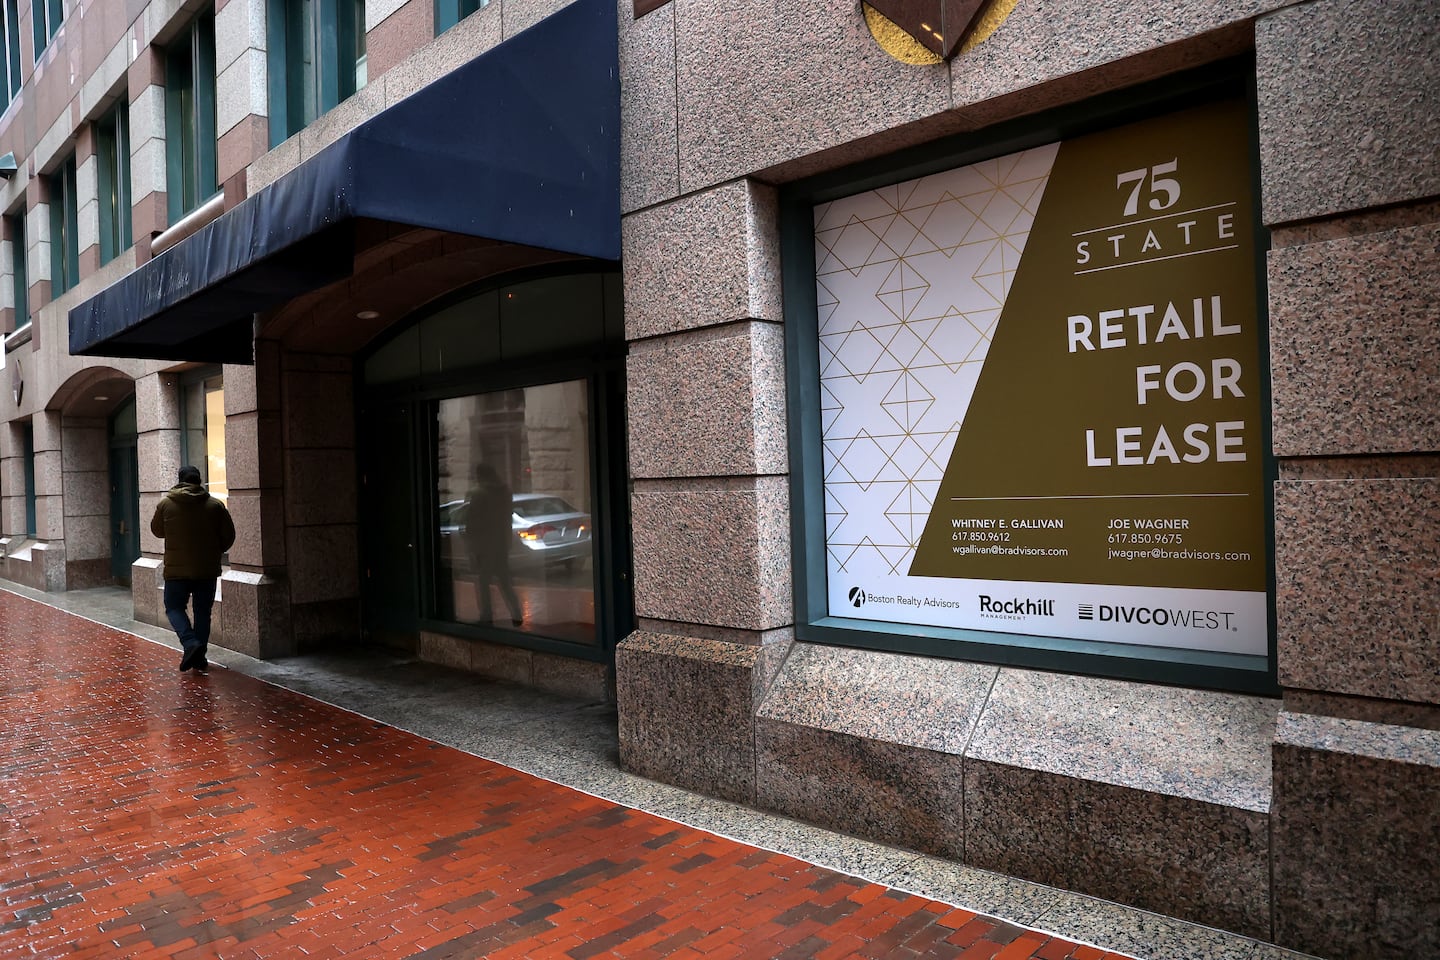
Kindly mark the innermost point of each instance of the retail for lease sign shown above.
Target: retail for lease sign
(1041, 392)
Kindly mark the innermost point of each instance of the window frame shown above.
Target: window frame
(27, 444)
(19, 269)
(11, 66)
(64, 211)
(46, 16)
(450, 12)
(336, 41)
(813, 621)
(112, 152)
(190, 121)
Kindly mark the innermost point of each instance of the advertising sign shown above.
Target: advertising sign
(1041, 392)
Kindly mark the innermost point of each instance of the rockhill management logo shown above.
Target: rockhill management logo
(1015, 608)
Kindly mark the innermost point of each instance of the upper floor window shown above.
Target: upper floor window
(317, 59)
(47, 16)
(112, 144)
(64, 229)
(19, 276)
(190, 117)
(450, 12)
(11, 66)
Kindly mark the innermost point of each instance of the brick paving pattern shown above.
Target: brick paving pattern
(146, 813)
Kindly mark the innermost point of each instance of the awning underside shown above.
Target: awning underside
(519, 145)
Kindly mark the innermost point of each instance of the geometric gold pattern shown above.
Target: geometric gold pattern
(910, 282)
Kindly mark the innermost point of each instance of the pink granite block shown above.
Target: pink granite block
(686, 708)
(1349, 106)
(703, 260)
(1047, 55)
(1355, 842)
(768, 82)
(1357, 587)
(649, 163)
(323, 563)
(1355, 344)
(709, 405)
(870, 743)
(713, 552)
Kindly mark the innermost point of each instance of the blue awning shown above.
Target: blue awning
(521, 145)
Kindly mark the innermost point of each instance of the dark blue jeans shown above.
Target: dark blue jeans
(201, 595)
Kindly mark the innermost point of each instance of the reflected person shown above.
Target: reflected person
(487, 538)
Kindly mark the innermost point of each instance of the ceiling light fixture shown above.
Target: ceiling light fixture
(367, 315)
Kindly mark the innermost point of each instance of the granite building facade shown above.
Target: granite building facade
(349, 256)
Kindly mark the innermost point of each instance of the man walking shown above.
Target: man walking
(197, 530)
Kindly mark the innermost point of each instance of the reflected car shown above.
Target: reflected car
(547, 530)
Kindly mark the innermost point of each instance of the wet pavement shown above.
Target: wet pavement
(146, 813)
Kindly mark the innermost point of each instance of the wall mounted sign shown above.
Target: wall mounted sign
(932, 31)
(1041, 392)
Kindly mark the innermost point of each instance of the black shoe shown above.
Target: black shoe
(202, 665)
(192, 658)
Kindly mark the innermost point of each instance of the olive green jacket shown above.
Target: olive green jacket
(197, 530)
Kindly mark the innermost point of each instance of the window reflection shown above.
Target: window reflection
(514, 517)
(202, 435)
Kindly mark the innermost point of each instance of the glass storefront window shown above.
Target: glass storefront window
(515, 523)
(202, 432)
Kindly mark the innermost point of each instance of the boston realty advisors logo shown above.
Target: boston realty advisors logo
(857, 597)
(1015, 608)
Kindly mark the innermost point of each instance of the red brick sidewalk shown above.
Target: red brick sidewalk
(146, 813)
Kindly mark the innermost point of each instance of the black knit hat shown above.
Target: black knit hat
(189, 475)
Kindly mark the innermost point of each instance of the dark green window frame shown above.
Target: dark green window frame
(19, 275)
(190, 118)
(112, 147)
(64, 229)
(46, 17)
(813, 622)
(11, 66)
(27, 444)
(450, 12)
(316, 60)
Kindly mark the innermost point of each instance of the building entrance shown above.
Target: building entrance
(492, 451)
(124, 492)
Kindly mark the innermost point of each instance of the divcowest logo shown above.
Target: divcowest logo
(1159, 616)
(857, 597)
(1015, 608)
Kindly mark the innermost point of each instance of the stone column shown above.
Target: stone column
(87, 190)
(1349, 120)
(241, 108)
(710, 496)
(255, 587)
(320, 501)
(49, 550)
(157, 422)
(12, 483)
(147, 149)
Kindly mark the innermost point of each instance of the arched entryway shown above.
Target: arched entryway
(100, 471)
